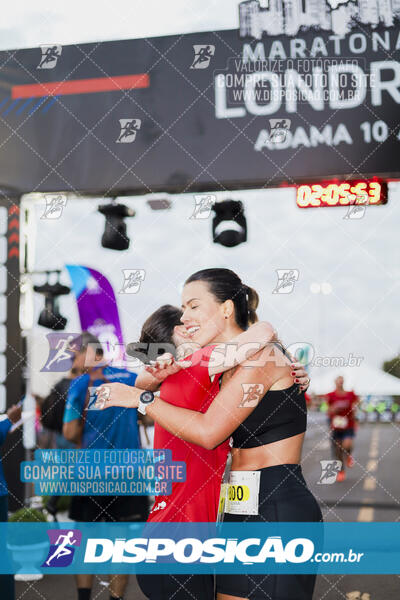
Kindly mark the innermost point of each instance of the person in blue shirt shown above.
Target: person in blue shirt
(13, 415)
(92, 428)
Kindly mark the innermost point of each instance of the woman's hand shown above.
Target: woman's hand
(166, 365)
(300, 376)
(117, 394)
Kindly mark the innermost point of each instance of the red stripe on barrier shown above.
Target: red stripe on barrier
(13, 224)
(81, 86)
(13, 237)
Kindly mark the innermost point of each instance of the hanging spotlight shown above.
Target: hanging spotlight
(114, 236)
(50, 316)
(229, 224)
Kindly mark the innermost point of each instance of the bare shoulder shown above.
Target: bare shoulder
(269, 357)
(268, 367)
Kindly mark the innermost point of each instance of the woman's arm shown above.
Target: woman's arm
(72, 430)
(223, 357)
(224, 415)
(146, 381)
(244, 346)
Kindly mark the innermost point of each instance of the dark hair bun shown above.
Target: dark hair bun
(252, 304)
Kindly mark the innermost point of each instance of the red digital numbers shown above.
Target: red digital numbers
(341, 194)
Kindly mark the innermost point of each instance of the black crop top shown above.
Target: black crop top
(280, 414)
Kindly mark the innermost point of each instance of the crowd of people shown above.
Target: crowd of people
(206, 404)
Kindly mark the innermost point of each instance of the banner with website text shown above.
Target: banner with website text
(300, 90)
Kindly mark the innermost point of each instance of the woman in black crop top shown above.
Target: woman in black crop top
(265, 414)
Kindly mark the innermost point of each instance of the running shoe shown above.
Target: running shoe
(350, 461)
(341, 476)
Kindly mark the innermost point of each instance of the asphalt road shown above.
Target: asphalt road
(371, 492)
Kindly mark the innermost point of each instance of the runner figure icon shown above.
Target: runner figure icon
(62, 549)
(50, 55)
(64, 351)
(202, 56)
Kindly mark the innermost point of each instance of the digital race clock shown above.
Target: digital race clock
(341, 194)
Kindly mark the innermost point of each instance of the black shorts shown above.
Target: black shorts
(340, 434)
(177, 587)
(284, 496)
(109, 508)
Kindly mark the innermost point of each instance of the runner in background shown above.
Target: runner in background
(342, 406)
(51, 411)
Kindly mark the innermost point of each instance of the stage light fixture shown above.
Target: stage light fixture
(50, 316)
(115, 236)
(229, 224)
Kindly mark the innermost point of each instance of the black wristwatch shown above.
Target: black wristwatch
(145, 399)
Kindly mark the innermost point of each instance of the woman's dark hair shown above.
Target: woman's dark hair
(156, 334)
(159, 327)
(224, 284)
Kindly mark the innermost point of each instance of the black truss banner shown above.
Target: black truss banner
(12, 361)
(287, 97)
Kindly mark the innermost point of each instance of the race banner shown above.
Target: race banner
(302, 89)
(98, 310)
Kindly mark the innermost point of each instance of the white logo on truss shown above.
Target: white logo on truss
(288, 16)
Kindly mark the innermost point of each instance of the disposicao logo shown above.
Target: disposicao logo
(190, 550)
(62, 547)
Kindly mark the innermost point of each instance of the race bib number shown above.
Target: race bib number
(339, 422)
(243, 493)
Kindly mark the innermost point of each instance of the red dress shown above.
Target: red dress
(196, 499)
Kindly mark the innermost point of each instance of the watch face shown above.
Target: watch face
(147, 397)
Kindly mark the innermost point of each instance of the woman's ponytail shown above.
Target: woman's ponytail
(252, 304)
